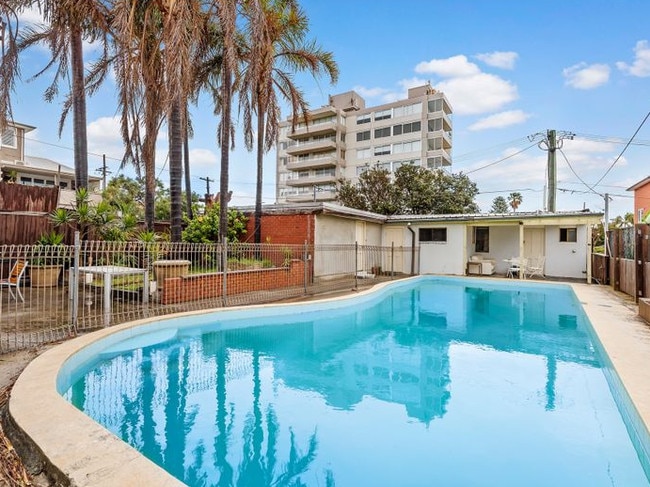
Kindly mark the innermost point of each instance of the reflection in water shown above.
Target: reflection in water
(208, 409)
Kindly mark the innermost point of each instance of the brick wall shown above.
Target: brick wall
(205, 286)
(283, 229)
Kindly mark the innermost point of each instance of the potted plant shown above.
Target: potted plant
(47, 262)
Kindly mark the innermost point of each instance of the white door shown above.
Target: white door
(534, 239)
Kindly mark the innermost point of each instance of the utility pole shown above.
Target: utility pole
(207, 185)
(552, 170)
(104, 171)
(550, 142)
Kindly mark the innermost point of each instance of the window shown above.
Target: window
(363, 153)
(397, 130)
(362, 169)
(363, 119)
(435, 105)
(482, 239)
(433, 234)
(382, 150)
(412, 146)
(435, 125)
(569, 234)
(365, 135)
(383, 132)
(383, 114)
(385, 166)
(9, 137)
(407, 110)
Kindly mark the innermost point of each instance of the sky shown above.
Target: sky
(511, 70)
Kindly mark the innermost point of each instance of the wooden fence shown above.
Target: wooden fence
(627, 266)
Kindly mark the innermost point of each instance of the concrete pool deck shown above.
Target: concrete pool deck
(89, 455)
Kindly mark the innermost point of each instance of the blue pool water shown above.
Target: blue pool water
(437, 381)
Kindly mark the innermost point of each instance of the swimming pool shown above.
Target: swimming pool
(438, 381)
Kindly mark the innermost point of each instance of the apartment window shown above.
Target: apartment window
(325, 172)
(482, 239)
(363, 119)
(382, 150)
(433, 234)
(384, 166)
(411, 146)
(383, 114)
(283, 161)
(397, 130)
(435, 125)
(434, 162)
(435, 105)
(365, 135)
(407, 110)
(303, 174)
(435, 144)
(363, 153)
(342, 137)
(383, 132)
(361, 169)
(26, 181)
(63, 185)
(9, 138)
(569, 234)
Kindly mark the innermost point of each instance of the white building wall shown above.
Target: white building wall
(566, 259)
(444, 257)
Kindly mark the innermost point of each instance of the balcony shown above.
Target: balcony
(440, 153)
(323, 145)
(314, 195)
(316, 162)
(315, 129)
(445, 136)
(311, 180)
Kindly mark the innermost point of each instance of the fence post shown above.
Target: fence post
(392, 260)
(356, 265)
(74, 282)
(224, 273)
(305, 261)
(638, 263)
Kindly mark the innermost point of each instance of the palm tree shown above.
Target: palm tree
(67, 24)
(514, 200)
(278, 49)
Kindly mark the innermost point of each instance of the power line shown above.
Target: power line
(624, 149)
(502, 159)
(576, 174)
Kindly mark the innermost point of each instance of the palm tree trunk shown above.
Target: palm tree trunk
(176, 169)
(149, 156)
(226, 91)
(79, 110)
(186, 168)
(260, 175)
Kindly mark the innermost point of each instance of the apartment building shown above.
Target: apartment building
(345, 138)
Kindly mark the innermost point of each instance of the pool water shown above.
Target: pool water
(446, 382)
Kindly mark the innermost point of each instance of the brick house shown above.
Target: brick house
(641, 199)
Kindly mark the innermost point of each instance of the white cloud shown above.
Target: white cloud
(500, 120)
(453, 67)
(30, 15)
(586, 77)
(370, 92)
(481, 93)
(499, 59)
(104, 137)
(641, 65)
(204, 161)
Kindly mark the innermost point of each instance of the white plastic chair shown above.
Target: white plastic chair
(14, 279)
(535, 267)
(517, 265)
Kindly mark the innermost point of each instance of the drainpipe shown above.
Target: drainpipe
(408, 225)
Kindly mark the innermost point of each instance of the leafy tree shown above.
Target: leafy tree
(374, 192)
(205, 228)
(415, 190)
(499, 205)
(514, 200)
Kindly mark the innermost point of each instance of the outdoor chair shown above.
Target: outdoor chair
(15, 279)
(535, 267)
(516, 265)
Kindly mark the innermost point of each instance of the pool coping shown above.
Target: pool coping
(90, 455)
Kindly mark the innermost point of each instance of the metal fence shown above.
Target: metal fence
(65, 290)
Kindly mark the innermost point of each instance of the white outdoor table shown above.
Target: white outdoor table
(107, 272)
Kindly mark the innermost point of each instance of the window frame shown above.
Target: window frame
(433, 234)
(566, 233)
(482, 245)
(14, 132)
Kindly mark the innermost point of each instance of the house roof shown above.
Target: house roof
(42, 165)
(25, 127)
(343, 211)
(640, 184)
